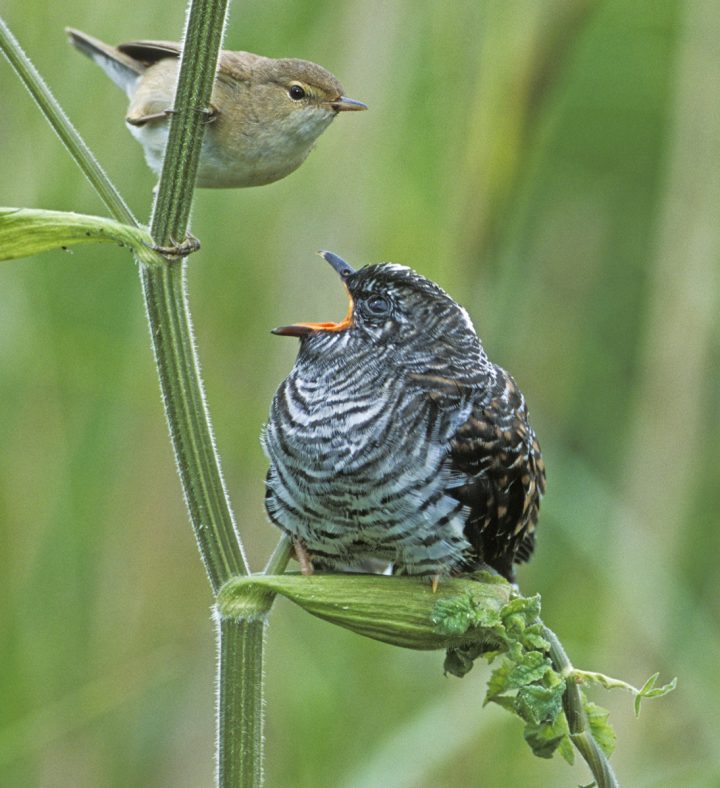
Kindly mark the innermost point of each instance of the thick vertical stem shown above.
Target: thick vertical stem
(198, 62)
(168, 312)
(240, 703)
(189, 422)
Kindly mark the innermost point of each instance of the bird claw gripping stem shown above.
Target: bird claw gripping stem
(176, 251)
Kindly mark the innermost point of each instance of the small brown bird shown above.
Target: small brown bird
(264, 114)
(395, 439)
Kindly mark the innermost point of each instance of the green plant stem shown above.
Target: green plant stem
(189, 423)
(580, 733)
(38, 89)
(279, 557)
(240, 640)
(240, 702)
(198, 62)
(168, 311)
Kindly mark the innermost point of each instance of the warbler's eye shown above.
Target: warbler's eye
(377, 306)
(296, 92)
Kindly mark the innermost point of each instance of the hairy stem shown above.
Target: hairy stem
(198, 62)
(168, 311)
(189, 422)
(240, 640)
(240, 702)
(580, 733)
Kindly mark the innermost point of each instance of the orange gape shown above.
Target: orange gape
(302, 329)
(346, 322)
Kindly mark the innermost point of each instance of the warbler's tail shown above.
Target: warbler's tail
(122, 69)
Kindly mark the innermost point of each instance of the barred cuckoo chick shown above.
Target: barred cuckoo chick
(395, 441)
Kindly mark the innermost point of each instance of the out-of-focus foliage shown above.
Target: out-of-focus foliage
(553, 165)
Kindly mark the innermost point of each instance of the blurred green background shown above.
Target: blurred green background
(555, 166)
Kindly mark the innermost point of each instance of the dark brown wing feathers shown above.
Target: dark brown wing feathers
(149, 52)
(497, 448)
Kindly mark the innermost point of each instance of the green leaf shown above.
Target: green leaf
(400, 610)
(522, 610)
(459, 661)
(534, 639)
(506, 702)
(25, 231)
(649, 690)
(566, 748)
(535, 703)
(600, 728)
(548, 737)
(532, 666)
(499, 681)
(456, 615)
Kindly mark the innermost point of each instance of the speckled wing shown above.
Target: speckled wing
(498, 453)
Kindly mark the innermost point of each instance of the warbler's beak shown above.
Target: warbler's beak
(303, 329)
(345, 104)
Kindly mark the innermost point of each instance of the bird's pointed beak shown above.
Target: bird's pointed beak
(303, 329)
(345, 104)
(341, 267)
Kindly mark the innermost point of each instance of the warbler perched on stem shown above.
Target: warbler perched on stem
(395, 439)
(264, 114)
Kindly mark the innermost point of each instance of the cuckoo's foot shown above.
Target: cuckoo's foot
(303, 557)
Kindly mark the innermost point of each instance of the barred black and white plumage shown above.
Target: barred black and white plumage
(395, 439)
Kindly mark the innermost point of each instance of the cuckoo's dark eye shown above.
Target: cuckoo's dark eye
(296, 92)
(377, 306)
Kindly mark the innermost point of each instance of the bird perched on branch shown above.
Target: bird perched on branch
(264, 115)
(395, 438)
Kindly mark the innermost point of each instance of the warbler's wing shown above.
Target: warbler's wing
(502, 477)
(149, 52)
(237, 64)
(152, 101)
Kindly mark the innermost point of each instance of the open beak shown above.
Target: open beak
(303, 329)
(345, 104)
